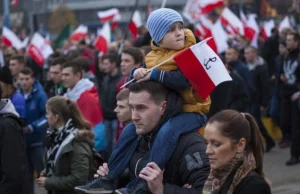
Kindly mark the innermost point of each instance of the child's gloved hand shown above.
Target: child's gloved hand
(140, 73)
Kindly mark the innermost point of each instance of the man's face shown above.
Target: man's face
(15, 67)
(26, 82)
(55, 73)
(107, 66)
(249, 55)
(145, 112)
(127, 64)
(291, 44)
(231, 55)
(69, 78)
(123, 111)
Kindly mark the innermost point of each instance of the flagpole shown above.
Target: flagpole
(163, 3)
(126, 32)
(6, 17)
(148, 71)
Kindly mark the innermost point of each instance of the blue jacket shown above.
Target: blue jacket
(18, 101)
(244, 72)
(35, 114)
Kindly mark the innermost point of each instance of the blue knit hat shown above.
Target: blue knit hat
(160, 21)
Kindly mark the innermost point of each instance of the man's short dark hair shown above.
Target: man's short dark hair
(58, 61)
(252, 48)
(235, 49)
(156, 90)
(135, 53)
(27, 71)
(84, 62)
(295, 35)
(76, 67)
(123, 94)
(112, 57)
(19, 58)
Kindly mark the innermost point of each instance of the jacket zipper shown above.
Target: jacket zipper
(136, 165)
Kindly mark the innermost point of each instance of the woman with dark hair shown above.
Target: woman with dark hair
(69, 144)
(235, 151)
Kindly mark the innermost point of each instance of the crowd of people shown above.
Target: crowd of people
(76, 129)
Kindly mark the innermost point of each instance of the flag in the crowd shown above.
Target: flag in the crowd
(205, 70)
(199, 30)
(107, 15)
(218, 42)
(285, 23)
(115, 21)
(14, 3)
(39, 49)
(207, 6)
(64, 35)
(231, 22)
(267, 28)
(103, 40)
(135, 23)
(25, 42)
(9, 38)
(192, 11)
(253, 24)
(80, 33)
(250, 32)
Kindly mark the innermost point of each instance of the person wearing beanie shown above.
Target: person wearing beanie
(9, 91)
(169, 37)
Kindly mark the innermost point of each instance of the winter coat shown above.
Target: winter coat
(13, 167)
(253, 184)
(108, 93)
(188, 165)
(192, 101)
(86, 97)
(19, 103)
(73, 166)
(35, 114)
(244, 72)
(261, 80)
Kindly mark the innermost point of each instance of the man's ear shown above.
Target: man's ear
(163, 107)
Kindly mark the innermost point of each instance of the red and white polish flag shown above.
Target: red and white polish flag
(39, 49)
(115, 21)
(80, 33)
(202, 67)
(103, 40)
(285, 23)
(250, 28)
(267, 28)
(219, 38)
(207, 6)
(9, 38)
(107, 15)
(135, 23)
(232, 23)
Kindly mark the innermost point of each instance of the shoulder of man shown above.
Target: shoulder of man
(191, 148)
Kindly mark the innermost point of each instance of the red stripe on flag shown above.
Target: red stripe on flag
(37, 56)
(207, 9)
(193, 70)
(107, 18)
(101, 44)
(133, 29)
(249, 32)
(6, 41)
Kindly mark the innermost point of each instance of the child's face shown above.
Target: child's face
(174, 39)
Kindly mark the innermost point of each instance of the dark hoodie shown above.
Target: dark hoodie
(13, 166)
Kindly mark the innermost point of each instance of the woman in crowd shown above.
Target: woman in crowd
(235, 151)
(69, 142)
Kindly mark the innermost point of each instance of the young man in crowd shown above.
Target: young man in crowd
(35, 131)
(55, 74)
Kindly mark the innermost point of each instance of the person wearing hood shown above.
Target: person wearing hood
(84, 93)
(69, 143)
(35, 100)
(13, 165)
(261, 96)
(10, 91)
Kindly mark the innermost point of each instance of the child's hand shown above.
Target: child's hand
(140, 73)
